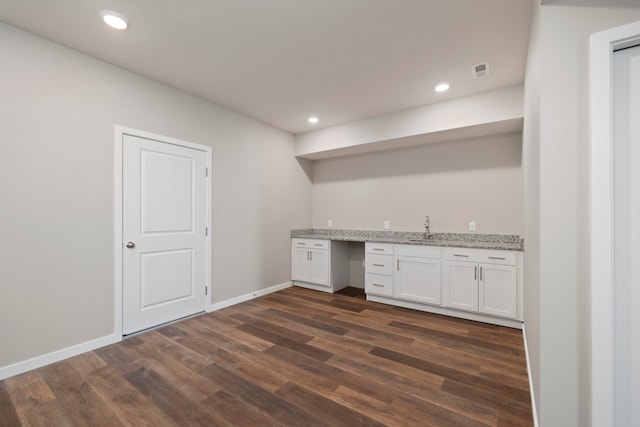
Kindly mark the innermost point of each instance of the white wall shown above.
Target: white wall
(560, 339)
(58, 109)
(454, 182)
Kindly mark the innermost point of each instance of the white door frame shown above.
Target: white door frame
(601, 224)
(119, 132)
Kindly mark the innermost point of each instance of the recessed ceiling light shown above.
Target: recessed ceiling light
(442, 87)
(313, 120)
(114, 19)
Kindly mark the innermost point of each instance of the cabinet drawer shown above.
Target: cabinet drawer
(379, 248)
(379, 264)
(378, 284)
(418, 251)
(311, 243)
(480, 255)
(498, 257)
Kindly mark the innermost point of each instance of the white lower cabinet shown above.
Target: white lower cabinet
(310, 264)
(485, 287)
(378, 269)
(319, 264)
(417, 274)
(476, 284)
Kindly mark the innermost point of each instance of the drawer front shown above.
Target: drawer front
(480, 255)
(418, 251)
(378, 284)
(379, 248)
(498, 257)
(379, 264)
(310, 243)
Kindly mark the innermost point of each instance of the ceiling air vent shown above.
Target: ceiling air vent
(480, 71)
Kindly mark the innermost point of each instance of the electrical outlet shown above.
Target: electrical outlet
(472, 226)
(330, 223)
(387, 225)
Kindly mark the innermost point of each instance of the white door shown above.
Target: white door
(626, 167)
(417, 279)
(164, 232)
(497, 290)
(460, 285)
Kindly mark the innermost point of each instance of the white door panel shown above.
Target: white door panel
(460, 285)
(319, 267)
(166, 277)
(167, 198)
(417, 279)
(300, 265)
(164, 218)
(497, 290)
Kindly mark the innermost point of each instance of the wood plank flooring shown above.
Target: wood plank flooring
(291, 358)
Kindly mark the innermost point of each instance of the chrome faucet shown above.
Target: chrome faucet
(427, 231)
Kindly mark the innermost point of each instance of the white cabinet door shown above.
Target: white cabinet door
(319, 267)
(300, 268)
(497, 290)
(460, 284)
(417, 279)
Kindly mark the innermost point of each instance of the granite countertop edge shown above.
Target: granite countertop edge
(506, 242)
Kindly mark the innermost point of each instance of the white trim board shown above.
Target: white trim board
(56, 356)
(452, 312)
(601, 223)
(533, 396)
(119, 132)
(246, 297)
(65, 353)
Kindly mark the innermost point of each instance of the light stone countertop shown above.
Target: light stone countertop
(508, 242)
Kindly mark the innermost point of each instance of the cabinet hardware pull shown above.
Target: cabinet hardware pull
(463, 256)
(310, 256)
(475, 273)
(378, 249)
(317, 244)
(302, 244)
(398, 264)
(378, 265)
(480, 273)
(498, 257)
(380, 286)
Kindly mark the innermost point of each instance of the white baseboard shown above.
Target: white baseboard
(65, 353)
(56, 356)
(246, 297)
(533, 396)
(509, 323)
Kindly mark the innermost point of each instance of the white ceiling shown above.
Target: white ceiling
(280, 61)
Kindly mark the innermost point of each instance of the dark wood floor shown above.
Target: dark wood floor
(292, 358)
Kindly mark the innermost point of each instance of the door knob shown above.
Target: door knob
(131, 245)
